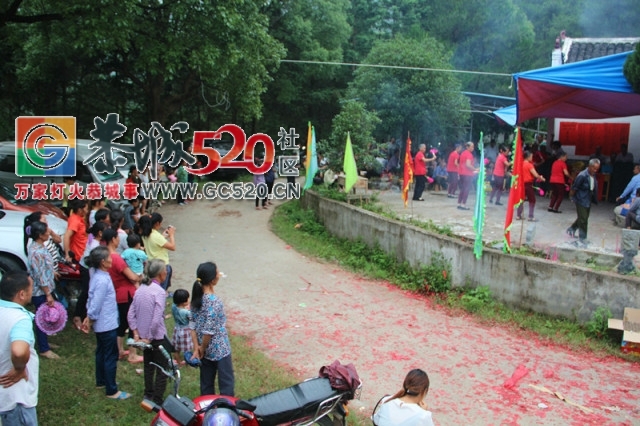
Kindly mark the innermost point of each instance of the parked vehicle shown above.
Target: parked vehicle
(8, 202)
(313, 401)
(68, 285)
(224, 174)
(12, 238)
(84, 174)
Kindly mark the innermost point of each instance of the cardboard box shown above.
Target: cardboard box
(360, 187)
(630, 325)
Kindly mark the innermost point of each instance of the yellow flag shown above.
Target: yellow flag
(350, 167)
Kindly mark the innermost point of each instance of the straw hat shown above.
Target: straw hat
(51, 319)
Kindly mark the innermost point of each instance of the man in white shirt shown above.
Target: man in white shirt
(19, 362)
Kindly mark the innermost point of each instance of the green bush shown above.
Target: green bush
(476, 299)
(599, 323)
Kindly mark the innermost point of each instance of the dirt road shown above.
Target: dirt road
(305, 314)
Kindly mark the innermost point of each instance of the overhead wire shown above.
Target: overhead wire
(351, 64)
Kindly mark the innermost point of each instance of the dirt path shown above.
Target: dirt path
(305, 314)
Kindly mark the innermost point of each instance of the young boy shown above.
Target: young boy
(134, 256)
(181, 341)
(440, 175)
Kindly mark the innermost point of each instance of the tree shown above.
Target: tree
(631, 69)
(353, 119)
(314, 30)
(13, 13)
(156, 58)
(427, 103)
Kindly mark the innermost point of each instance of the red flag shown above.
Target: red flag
(516, 194)
(408, 172)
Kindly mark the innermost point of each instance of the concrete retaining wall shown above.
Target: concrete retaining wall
(519, 281)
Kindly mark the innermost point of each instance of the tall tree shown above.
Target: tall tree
(428, 103)
(631, 69)
(160, 56)
(353, 119)
(312, 30)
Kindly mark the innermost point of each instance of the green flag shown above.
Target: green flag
(349, 167)
(478, 217)
(311, 162)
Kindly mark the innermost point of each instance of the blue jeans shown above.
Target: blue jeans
(107, 360)
(167, 281)
(41, 337)
(20, 416)
(226, 381)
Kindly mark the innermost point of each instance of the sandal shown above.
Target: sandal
(120, 395)
(136, 360)
(123, 355)
(519, 218)
(50, 355)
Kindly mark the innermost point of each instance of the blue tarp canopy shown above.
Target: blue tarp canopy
(507, 114)
(590, 89)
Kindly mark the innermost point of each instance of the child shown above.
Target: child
(440, 175)
(134, 256)
(94, 206)
(181, 333)
(132, 212)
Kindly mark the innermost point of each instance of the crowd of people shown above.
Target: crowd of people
(543, 173)
(125, 281)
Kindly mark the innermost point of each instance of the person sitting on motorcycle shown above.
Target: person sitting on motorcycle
(406, 407)
(209, 333)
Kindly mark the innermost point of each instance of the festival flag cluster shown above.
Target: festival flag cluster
(516, 194)
(408, 172)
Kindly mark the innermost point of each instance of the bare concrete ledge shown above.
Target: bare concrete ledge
(522, 282)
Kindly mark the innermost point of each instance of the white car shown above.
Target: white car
(12, 254)
(84, 174)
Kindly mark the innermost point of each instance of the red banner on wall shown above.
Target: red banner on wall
(587, 136)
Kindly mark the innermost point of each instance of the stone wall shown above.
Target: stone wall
(519, 281)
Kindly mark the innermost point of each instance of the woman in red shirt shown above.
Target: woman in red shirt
(499, 170)
(529, 174)
(466, 174)
(125, 282)
(452, 170)
(559, 173)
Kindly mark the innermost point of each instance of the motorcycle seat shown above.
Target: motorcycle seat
(296, 402)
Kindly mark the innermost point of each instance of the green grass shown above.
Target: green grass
(300, 229)
(68, 396)
(67, 386)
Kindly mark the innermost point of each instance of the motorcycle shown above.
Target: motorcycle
(313, 401)
(68, 287)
